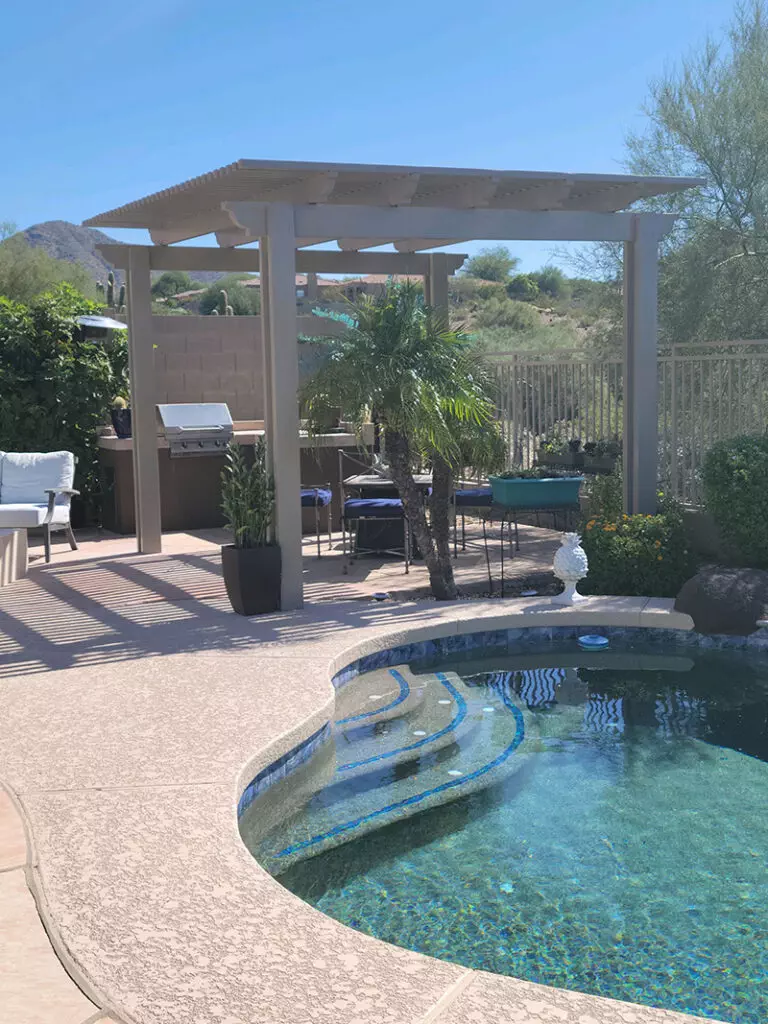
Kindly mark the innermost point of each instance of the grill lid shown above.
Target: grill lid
(203, 416)
(197, 428)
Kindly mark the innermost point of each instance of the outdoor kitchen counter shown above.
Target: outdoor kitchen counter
(345, 440)
(190, 487)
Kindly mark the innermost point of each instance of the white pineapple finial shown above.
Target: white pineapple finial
(570, 566)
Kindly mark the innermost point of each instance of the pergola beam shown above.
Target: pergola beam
(193, 226)
(385, 223)
(406, 245)
(318, 261)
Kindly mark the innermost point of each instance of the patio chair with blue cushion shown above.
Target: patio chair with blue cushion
(381, 509)
(319, 497)
(464, 499)
(36, 491)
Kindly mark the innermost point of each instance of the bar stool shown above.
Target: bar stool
(317, 498)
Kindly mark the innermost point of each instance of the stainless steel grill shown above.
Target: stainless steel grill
(200, 428)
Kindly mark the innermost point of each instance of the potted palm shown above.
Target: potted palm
(251, 565)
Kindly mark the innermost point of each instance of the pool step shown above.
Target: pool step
(357, 744)
(380, 696)
(471, 741)
(425, 722)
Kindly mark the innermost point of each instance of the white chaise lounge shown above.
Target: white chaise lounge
(36, 491)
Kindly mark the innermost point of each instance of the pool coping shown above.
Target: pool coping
(290, 964)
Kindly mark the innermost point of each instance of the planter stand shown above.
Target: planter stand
(508, 516)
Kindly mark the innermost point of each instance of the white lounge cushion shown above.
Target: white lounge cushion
(26, 476)
(20, 514)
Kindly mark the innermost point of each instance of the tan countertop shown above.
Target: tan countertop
(249, 435)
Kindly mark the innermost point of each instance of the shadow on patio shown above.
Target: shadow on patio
(115, 608)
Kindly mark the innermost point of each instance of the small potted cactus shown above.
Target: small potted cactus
(121, 417)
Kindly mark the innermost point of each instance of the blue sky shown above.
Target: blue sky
(113, 102)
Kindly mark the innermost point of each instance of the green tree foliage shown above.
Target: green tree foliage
(493, 264)
(26, 272)
(735, 478)
(56, 387)
(244, 301)
(398, 360)
(171, 282)
(708, 118)
(523, 287)
(552, 281)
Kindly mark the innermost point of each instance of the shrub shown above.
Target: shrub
(56, 387)
(500, 311)
(523, 287)
(606, 495)
(735, 478)
(637, 555)
(172, 282)
(244, 301)
(493, 264)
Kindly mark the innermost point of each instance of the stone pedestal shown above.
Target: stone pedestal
(13, 555)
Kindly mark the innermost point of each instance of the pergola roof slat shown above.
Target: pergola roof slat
(195, 207)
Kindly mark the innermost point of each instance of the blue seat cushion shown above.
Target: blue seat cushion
(312, 496)
(373, 508)
(474, 497)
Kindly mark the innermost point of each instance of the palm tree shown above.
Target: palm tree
(398, 362)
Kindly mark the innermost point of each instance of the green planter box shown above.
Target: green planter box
(563, 460)
(554, 492)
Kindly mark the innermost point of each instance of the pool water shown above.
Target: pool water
(594, 821)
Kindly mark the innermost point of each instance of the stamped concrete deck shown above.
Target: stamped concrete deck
(134, 708)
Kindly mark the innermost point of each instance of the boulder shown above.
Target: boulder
(724, 600)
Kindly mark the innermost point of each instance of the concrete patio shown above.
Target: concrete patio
(135, 709)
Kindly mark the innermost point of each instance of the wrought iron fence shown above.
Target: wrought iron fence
(557, 396)
(707, 392)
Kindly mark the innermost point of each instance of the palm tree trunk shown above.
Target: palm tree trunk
(440, 514)
(440, 570)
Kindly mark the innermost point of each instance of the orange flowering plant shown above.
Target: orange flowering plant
(637, 555)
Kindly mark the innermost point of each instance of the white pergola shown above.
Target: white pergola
(288, 207)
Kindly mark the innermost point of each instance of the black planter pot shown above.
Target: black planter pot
(252, 578)
(121, 421)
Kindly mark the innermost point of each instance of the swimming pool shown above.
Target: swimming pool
(588, 821)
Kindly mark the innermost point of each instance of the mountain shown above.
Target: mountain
(76, 244)
(70, 242)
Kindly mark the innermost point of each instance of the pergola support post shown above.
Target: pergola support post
(282, 362)
(141, 367)
(436, 282)
(641, 386)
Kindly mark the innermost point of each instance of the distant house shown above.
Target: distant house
(371, 284)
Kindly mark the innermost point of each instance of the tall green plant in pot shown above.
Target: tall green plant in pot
(252, 563)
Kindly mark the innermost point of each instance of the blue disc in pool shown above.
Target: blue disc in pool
(593, 642)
